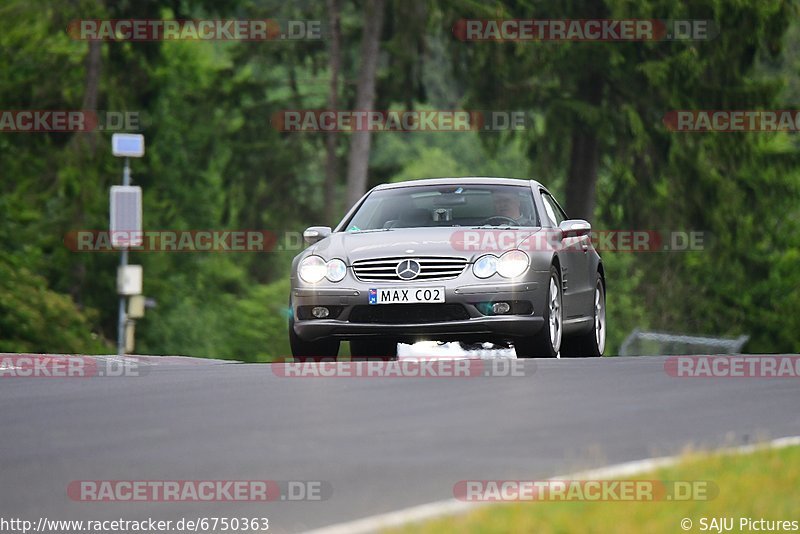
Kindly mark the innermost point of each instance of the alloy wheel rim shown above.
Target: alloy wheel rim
(599, 318)
(555, 315)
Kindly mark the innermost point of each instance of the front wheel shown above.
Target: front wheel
(547, 342)
(592, 343)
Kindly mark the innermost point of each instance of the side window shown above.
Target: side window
(554, 211)
(559, 211)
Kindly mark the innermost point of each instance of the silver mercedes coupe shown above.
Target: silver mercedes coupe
(450, 259)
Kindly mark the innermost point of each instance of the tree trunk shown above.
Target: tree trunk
(584, 155)
(582, 177)
(90, 96)
(365, 98)
(331, 163)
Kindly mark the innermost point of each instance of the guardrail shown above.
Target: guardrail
(640, 343)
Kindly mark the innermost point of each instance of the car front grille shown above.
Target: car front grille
(431, 268)
(407, 313)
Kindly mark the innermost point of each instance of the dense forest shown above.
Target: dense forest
(596, 136)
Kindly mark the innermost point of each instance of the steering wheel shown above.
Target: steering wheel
(501, 218)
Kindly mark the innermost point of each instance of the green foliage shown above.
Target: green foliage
(398, 157)
(625, 307)
(740, 190)
(217, 312)
(214, 161)
(34, 318)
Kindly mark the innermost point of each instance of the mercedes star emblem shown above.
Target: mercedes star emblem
(407, 269)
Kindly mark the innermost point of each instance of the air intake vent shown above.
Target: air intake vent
(408, 313)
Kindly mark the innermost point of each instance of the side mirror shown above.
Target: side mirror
(316, 233)
(575, 228)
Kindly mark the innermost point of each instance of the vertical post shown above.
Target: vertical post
(123, 261)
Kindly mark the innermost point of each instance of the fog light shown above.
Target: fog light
(320, 312)
(500, 307)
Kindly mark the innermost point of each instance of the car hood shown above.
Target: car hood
(463, 242)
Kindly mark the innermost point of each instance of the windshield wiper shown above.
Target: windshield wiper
(369, 230)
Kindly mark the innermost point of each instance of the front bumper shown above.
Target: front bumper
(469, 292)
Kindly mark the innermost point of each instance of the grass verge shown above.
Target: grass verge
(761, 485)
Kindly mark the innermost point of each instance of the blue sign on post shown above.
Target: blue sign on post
(127, 145)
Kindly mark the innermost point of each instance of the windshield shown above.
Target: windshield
(445, 205)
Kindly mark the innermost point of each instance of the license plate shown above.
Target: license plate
(406, 295)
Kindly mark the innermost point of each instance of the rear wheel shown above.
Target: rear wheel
(373, 349)
(547, 342)
(592, 343)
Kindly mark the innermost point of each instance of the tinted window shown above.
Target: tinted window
(450, 205)
(554, 211)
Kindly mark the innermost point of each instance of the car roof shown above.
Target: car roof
(466, 180)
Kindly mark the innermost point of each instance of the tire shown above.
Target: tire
(373, 349)
(592, 343)
(547, 342)
(311, 351)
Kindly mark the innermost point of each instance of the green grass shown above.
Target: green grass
(764, 484)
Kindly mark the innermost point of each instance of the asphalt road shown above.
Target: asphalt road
(380, 443)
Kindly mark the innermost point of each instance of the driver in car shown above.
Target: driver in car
(508, 205)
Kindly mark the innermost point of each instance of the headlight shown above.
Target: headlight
(485, 266)
(335, 270)
(313, 269)
(512, 264)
